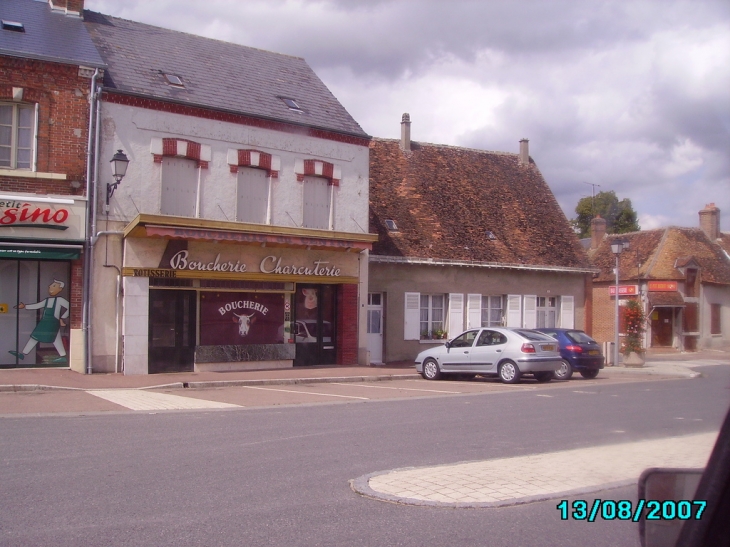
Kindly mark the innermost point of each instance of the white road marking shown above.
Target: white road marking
(396, 388)
(579, 391)
(307, 393)
(136, 399)
(540, 395)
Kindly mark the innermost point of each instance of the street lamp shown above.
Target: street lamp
(119, 168)
(617, 247)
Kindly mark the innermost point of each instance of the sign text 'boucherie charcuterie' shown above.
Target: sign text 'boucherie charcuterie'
(268, 265)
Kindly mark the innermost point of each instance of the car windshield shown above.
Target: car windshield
(580, 337)
(533, 335)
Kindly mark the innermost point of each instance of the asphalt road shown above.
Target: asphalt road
(279, 475)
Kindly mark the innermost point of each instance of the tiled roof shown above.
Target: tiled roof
(49, 35)
(216, 74)
(445, 200)
(660, 252)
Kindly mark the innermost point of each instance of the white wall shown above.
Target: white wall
(132, 129)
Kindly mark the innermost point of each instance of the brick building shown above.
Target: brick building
(47, 62)
(681, 276)
(238, 238)
(468, 238)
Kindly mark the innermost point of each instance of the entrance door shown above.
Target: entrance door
(314, 325)
(172, 331)
(375, 327)
(662, 327)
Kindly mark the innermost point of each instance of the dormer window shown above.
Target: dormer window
(291, 104)
(173, 80)
(13, 26)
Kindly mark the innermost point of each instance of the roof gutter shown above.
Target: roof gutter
(476, 264)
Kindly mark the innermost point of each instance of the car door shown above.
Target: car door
(456, 357)
(487, 351)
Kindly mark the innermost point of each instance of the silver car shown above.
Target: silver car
(506, 352)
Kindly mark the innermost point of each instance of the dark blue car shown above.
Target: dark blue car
(580, 353)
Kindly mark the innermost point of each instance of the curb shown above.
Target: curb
(361, 486)
(218, 383)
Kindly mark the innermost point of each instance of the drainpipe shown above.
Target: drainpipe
(90, 220)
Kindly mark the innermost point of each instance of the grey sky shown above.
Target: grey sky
(634, 96)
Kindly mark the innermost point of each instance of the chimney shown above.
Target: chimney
(405, 132)
(69, 7)
(598, 231)
(524, 152)
(710, 221)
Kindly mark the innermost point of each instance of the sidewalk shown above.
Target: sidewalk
(674, 364)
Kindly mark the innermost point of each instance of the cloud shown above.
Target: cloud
(631, 96)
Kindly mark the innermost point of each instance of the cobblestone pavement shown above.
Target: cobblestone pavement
(523, 479)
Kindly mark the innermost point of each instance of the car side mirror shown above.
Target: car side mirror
(667, 492)
(447, 344)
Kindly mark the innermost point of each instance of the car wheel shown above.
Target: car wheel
(431, 370)
(543, 377)
(509, 373)
(590, 373)
(564, 372)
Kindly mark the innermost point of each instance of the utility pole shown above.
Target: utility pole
(593, 198)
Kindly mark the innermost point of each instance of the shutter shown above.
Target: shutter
(316, 196)
(530, 312)
(456, 314)
(514, 308)
(253, 195)
(412, 316)
(567, 312)
(473, 311)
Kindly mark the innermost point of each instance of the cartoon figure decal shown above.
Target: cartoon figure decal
(310, 298)
(48, 328)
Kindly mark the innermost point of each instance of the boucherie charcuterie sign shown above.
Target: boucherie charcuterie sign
(271, 264)
(42, 217)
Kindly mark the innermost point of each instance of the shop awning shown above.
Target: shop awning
(666, 300)
(244, 233)
(29, 251)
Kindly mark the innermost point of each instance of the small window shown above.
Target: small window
(490, 235)
(432, 315)
(17, 126)
(391, 225)
(174, 80)
(14, 26)
(292, 104)
(492, 311)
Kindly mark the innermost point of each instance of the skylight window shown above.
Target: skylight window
(15, 26)
(292, 104)
(391, 225)
(490, 235)
(174, 80)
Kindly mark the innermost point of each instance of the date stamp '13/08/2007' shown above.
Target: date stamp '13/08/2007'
(625, 510)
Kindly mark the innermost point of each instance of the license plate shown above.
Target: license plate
(593, 352)
(548, 347)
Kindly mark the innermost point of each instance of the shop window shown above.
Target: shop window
(691, 318)
(35, 319)
(252, 195)
(240, 318)
(715, 319)
(17, 122)
(179, 187)
(492, 311)
(317, 199)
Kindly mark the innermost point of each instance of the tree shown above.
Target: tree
(620, 216)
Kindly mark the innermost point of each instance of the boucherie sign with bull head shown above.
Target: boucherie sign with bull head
(42, 217)
(238, 318)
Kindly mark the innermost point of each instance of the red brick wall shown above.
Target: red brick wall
(62, 97)
(76, 293)
(347, 324)
(603, 313)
